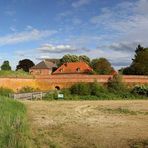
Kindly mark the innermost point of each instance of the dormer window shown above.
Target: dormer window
(61, 70)
(78, 69)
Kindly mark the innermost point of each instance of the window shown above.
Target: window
(61, 70)
(78, 69)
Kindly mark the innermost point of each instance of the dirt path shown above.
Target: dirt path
(88, 124)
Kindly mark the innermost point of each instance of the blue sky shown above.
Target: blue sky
(38, 29)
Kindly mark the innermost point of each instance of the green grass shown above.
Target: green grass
(18, 73)
(13, 124)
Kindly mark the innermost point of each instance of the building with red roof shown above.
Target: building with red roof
(45, 67)
(74, 68)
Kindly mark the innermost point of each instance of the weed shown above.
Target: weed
(13, 124)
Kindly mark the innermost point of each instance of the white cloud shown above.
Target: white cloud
(49, 48)
(129, 21)
(126, 17)
(123, 46)
(79, 3)
(25, 36)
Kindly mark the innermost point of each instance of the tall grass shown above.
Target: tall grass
(13, 124)
(19, 73)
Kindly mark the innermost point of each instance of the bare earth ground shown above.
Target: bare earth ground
(88, 124)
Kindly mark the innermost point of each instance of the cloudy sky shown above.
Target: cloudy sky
(37, 29)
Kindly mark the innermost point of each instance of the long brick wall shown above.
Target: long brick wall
(45, 83)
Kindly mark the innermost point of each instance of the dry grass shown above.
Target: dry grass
(89, 124)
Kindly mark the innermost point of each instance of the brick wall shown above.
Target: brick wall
(42, 72)
(63, 81)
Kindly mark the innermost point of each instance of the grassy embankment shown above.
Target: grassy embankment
(13, 124)
(18, 73)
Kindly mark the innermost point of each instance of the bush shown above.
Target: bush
(96, 88)
(5, 91)
(115, 84)
(141, 90)
(81, 89)
(28, 89)
(49, 96)
(66, 92)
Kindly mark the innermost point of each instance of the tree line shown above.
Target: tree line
(100, 65)
(139, 65)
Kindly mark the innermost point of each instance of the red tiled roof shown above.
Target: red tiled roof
(73, 67)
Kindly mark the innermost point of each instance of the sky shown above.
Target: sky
(38, 29)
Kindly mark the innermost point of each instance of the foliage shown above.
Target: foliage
(49, 96)
(28, 89)
(13, 124)
(74, 58)
(25, 65)
(5, 66)
(84, 58)
(141, 90)
(139, 65)
(68, 58)
(114, 90)
(5, 91)
(97, 89)
(115, 83)
(101, 66)
(19, 73)
(81, 89)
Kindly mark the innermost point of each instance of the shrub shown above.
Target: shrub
(49, 96)
(115, 84)
(96, 88)
(140, 90)
(81, 89)
(66, 92)
(28, 89)
(5, 91)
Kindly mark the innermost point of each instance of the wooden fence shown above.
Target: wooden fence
(29, 96)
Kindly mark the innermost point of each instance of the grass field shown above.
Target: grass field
(13, 124)
(88, 124)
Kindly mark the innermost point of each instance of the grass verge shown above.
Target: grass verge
(19, 73)
(13, 124)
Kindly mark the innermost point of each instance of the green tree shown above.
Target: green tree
(101, 66)
(84, 58)
(139, 65)
(74, 58)
(5, 66)
(68, 58)
(25, 65)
